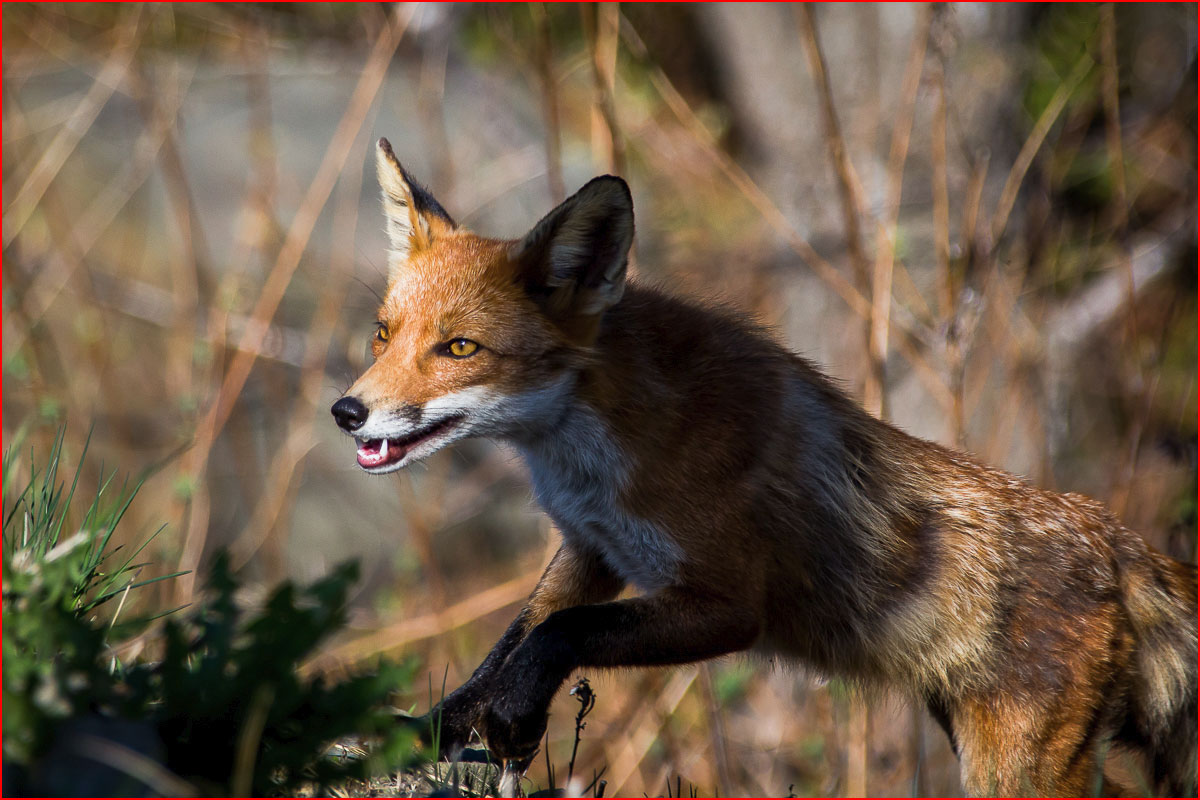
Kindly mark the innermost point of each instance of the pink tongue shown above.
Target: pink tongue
(378, 451)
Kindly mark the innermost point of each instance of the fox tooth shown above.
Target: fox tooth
(383, 449)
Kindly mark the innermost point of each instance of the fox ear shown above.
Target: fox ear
(573, 261)
(414, 217)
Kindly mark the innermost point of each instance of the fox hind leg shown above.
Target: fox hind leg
(1015, 747)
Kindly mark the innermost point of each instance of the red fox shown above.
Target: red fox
(754, 506)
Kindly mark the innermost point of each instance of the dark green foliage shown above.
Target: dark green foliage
(224, 707)
(55, 579)
(226, 684)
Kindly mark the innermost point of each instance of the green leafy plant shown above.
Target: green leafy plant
(237, 716)
(56, 578)
(75, 564)
(223, 708)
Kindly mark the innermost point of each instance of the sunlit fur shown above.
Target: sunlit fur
(681, 450)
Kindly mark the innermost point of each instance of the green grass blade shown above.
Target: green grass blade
(62, 518)
(103, 598)
(170, 611)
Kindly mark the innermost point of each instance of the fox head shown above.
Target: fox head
(478, 336)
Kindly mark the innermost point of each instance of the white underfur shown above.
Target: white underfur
(577, 467)
(578, 470)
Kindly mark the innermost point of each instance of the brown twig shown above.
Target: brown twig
(51, 161)
(107, 204)
(602, 28)
(941, 197)
(860, 305)
(885, 245)
(411, 630)
(874, 389)
(847, 182)
(950, 326)
(543, 54)
(1033, 143)
(281, 273)
(1119, 495)
(716, 731)
(851, 198)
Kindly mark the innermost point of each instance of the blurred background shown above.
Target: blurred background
(981, 219)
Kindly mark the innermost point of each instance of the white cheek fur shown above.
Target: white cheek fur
(464, 401)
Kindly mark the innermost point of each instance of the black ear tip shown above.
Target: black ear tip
(611, 186)
(612, 180)
(385, 145)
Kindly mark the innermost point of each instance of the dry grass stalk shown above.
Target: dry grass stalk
(543, 54)
(286, 467)
(1110, 95)
(885, 244)
(1033, 143)
(849, 192)
(51, 161)
(602, 27)
(101, 211)
(859, 304)
(627, 751)
(271, 293)
(402, 633)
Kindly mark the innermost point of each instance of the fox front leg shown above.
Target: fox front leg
(675, 626)
(574, 577)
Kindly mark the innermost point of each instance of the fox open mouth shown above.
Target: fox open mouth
(374, 454)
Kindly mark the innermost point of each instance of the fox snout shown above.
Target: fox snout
(395, 437)
(350, 413)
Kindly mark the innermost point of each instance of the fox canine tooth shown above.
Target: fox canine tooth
(383, 443)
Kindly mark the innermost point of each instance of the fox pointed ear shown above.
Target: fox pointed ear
(573, 262)
(414, 217)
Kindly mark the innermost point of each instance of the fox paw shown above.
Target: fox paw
(513, 736)
(450, 727)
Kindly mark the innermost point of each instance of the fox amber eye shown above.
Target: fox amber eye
(381, 332)
(461, 348)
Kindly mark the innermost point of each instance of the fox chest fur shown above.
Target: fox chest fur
(579, 476)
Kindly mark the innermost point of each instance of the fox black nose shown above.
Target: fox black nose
(350, 413)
